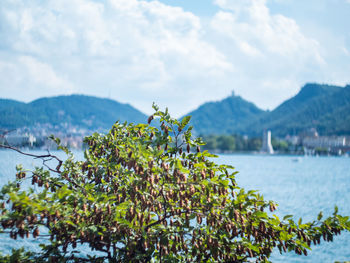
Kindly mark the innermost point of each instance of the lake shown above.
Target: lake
(302, 186)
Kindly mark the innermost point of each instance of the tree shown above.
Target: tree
(210, 142)
(226, 143)
(146, 194)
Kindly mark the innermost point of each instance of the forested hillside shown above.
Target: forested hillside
(324, 107)
(227, 116)
(79, 110)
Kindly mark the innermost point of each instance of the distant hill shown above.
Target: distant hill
(324, 107)
(230, 115)
(79, 110)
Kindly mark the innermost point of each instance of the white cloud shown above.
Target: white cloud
(24, 77)
(250, 22)
(138, 51)
(345, 50)
(143, 51)
(42, 74)
(272, 52)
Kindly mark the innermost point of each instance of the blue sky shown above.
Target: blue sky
(178, 53)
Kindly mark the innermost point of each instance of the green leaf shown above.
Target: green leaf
(185, 121)
(287, 217)
(335, 210)
(320, 215)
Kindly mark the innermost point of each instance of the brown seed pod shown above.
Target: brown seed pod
(40, 183)
(34, 179)
(57, 214)
(250, 253)
(305, 252)
(36, 232)
(188, 148)
(223, 202)
(173, 248)
(236, 215)
(150, 118)
(203, 174)
(198, 148)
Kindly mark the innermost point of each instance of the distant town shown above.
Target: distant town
(306, 143)
(37, 137)
(310, 143)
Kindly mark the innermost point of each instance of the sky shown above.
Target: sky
(176, 53)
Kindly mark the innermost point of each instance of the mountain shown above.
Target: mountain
(6, 103)
(230, 115)
(79, 110)
(323, 107)
(320, 106)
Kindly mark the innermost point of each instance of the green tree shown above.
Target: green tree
(146, 194)
(254, 144)
(226, 143)
(210, 142)
(280, 145)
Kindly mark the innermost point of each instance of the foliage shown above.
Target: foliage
(146, 194)
(321, 150)
(281, 146)
(230, 143)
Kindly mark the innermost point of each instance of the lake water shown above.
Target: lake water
(302, 186)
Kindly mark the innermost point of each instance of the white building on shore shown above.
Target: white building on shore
(266, 143)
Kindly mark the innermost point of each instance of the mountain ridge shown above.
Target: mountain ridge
(81, 110)
(321, 106)
(307, 110)
(237, 112)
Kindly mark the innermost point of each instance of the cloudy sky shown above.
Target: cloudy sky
(178, 53)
